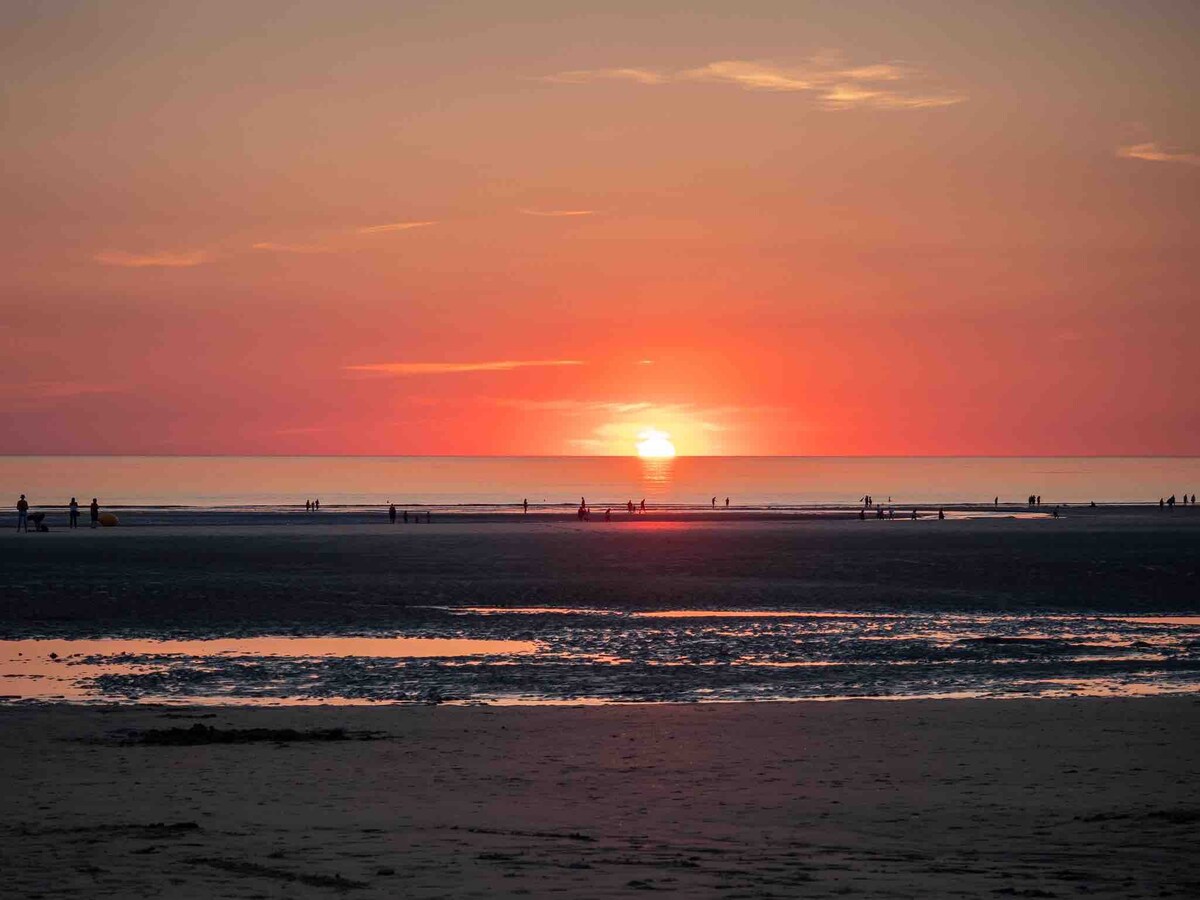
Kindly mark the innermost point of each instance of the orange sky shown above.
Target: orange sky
(542, 227)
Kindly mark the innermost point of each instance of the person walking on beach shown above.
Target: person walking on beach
(392, 513)
(643, 504)
(714, 502)
(23, 514)
(94, 509)
(996, 502)
(73, 513)
(525, 505)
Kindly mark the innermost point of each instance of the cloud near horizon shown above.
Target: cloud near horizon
(557, 213)
(291, 248)
(435, 368)
(1152, 152)
(125, 260)
(835, 84)
(392, 226)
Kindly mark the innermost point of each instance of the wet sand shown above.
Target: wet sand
(923, 798)
(336, 577)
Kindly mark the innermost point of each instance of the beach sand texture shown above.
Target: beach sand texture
(923, 798)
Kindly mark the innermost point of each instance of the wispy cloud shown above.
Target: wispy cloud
(583, 76)
(392, 226)
(573, 407)
(291, 248)
(1152, 152)
(557, 213)
(834, 83)
(178, 260)
(40, 394)
(449, 368)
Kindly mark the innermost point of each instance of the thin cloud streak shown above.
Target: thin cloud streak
(557, 213)
(291, 248)
(392, 226)
(433, 368)
(835, 84)
(583, 76)
(1152, 152)
(151, 260)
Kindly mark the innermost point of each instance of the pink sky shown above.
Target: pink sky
(542, 227)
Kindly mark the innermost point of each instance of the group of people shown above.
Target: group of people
(1169, 502)
(312, 505)
(891, 512)
(24, 516)
(416, 516)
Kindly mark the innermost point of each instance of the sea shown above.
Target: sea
(482, 484)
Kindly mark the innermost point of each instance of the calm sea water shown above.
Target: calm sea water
(561, 481)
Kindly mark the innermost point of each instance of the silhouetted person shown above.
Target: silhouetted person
(316, 505)
(714, 502)
(406, 517)
(996, 502)
(525, 504)
(629, 506)
(1171, 501)
(914, 515)
(1039, 499)
(608, 514)
(1055, 513)
(727, 502)
(643, 504)
(308, 506)
(1161, 503)
(23, 514)
(94, 510)
(392, 513)
(1093, 504)
(941, 513)
(73, 512)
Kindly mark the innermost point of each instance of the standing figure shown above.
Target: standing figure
(94, 509)
(23, 514)
(525, 504)
(392, 513)
(73, 512)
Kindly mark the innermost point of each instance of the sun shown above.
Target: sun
(655, 444)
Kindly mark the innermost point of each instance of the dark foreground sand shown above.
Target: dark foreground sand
(916, 799)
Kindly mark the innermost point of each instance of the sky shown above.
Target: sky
(547, 227)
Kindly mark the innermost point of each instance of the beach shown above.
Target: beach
(442, 796)
(924, 798)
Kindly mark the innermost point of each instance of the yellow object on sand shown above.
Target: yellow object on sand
(108, 520)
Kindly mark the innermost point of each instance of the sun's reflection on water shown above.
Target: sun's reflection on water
(657, 475)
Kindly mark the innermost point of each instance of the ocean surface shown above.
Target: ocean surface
(557, 483)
